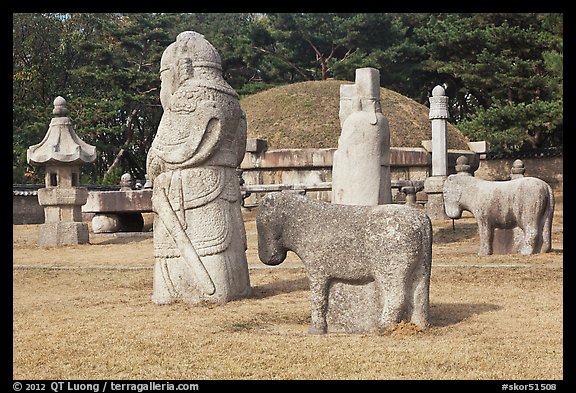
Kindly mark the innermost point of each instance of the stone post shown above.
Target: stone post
(433, 185)
(517, 170)
(62, 153)
(410, 192)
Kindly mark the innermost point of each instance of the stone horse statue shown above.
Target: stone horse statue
(525, 203)
(390, 245)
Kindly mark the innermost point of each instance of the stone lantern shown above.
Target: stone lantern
(62, 153)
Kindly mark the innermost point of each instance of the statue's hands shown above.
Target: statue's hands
(154, 165)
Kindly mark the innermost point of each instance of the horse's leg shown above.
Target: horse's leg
(486, 232)
(319, 303)
(530, 239)
(546, 231)
(393, 295)
(420, 297)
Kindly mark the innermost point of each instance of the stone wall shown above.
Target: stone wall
(549, 169)
(313, 166)
(26, 209)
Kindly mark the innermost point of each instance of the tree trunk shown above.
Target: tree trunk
(129, 126)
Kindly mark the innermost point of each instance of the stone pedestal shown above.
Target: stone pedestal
(63, 216)
(435, 205)
(410, 192)
(63, 233)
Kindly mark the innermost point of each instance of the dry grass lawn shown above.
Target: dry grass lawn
(84, 312)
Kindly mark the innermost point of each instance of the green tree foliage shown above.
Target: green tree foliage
(503, 72)
(106, 67)
(319, 46)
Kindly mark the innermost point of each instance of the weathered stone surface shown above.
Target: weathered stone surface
(435, 202)
(361, 169)
(526, 203)
(118, 201)
(199, 235)
(63, 233)
(126, 182)
(384, 250)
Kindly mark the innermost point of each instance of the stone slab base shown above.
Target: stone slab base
(63, 233)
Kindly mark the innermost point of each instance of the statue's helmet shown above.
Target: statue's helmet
(194, 49)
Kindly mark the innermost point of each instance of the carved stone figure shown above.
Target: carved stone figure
(388, 246)
(361, 166)
(525, 204)
(199, 235)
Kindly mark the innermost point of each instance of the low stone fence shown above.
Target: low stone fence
(549, 169)
(314, 166)
(311, 170)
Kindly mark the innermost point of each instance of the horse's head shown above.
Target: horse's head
(270, 219)
(452, 192)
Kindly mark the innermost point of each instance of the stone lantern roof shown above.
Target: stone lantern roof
(61, 144)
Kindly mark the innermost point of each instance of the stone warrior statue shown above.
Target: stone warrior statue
(199, 235)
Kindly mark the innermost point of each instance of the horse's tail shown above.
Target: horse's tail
(547, 222)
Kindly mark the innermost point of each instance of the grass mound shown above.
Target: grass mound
(305, 115)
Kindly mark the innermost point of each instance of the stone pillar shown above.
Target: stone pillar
(62, 153)
(433, 185)
(361, 165)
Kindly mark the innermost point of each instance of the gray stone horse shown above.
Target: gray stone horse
(526, 203)
(390, 245)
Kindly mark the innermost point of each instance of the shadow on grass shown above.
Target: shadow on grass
(460, 232)
(446, 314)
(279, 287)
(441, 314)
(122, 239)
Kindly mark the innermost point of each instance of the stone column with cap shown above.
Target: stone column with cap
(433, 185)
(62, 153)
